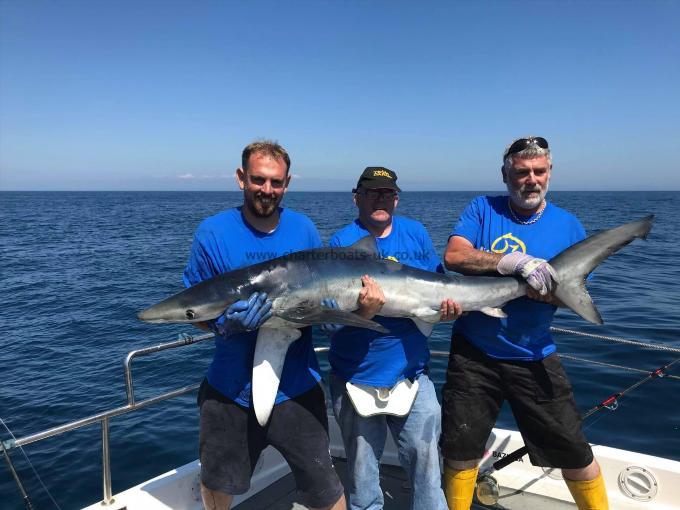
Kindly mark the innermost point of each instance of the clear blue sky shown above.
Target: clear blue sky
(163, 95)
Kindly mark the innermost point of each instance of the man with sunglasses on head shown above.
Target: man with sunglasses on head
(230, 437)
(379, 381)
(513, 358)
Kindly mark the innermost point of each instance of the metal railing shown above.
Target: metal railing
(105, 416)
(133, 405)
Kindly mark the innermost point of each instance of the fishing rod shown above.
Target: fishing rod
(487, 487)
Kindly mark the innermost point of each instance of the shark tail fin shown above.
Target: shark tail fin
(575, 263)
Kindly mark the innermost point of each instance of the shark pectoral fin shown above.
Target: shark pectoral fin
(423, 326)
(323, 315)
(270, 353)
(494, 312)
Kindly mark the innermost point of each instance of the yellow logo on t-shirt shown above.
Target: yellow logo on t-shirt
(507, 243)
(390, 257)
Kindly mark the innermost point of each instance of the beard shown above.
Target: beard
(261, 204)
(527, 197)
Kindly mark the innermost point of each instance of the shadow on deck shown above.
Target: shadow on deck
(281, 495)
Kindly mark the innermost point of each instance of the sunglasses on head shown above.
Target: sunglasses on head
(523, 143)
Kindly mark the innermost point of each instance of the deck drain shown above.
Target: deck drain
(638, 483)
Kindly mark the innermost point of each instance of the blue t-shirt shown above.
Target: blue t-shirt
(226, 242)
(488, 224)
(368, 357)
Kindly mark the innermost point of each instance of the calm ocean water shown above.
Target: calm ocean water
(76, 267)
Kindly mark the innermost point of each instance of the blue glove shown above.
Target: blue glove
(245, 315)
(330, 329)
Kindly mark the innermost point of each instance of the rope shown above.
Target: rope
(31, 464)
(611, 365)
(617, 340)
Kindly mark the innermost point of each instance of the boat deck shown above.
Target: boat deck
(634, 481)
(281, 495)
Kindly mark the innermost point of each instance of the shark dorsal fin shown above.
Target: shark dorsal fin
(366, 245)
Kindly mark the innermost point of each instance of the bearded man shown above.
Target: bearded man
(493, 359)
(231, 439)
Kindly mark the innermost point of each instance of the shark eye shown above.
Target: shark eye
(190, 314)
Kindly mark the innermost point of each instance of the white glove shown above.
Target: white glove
(537, 272)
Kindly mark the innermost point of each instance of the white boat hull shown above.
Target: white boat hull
(634, 481)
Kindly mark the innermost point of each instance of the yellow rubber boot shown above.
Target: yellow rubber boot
(459, 487)
(589, 494)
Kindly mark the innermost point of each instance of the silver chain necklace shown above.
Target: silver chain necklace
(527, 222)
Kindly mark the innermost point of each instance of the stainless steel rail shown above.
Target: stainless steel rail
(106, 464)
(185, 340)
(104, 416)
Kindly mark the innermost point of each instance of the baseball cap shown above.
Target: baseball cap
(376, 177)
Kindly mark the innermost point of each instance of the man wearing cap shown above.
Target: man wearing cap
(379, 381)
(230, 437)
(493, 359)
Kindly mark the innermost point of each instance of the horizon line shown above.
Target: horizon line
(480, 190)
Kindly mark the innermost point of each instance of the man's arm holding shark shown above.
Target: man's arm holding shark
(461, 256)
(241, 316)
(371, 299)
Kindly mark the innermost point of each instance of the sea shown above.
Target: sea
(76, 267)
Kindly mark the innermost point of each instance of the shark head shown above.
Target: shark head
(188, 306)
(175, 312)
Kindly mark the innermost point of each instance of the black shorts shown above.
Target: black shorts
(539, 395)
(231, 440)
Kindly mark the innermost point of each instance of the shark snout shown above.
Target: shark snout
(164, 313)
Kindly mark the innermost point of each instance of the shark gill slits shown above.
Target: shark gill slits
(189, 314)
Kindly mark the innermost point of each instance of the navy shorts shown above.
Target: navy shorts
(539, 395)
(231, 440)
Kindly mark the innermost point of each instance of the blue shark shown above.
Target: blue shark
(297, 283)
